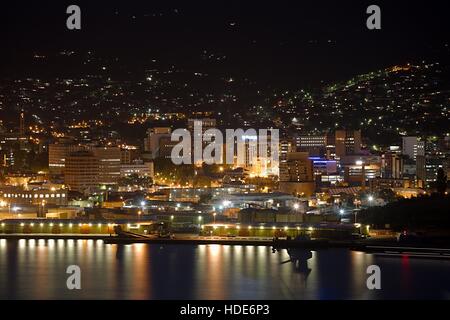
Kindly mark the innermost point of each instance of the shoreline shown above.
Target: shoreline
(377, 247)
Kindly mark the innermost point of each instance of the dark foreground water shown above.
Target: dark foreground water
(36, 269)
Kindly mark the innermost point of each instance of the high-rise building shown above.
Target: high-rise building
(128, 154)
(286, 146)
(347, 142)
(198, 128)
(109, 163)
(315, 145)
(138, 168)
(81, 171)
(257, 152)
(361, 172)
(57, 153)
(206, 123)
(413, 147)
(392, 165)
(296, 174)
(165, 147)
(152, 143)
(427, 167)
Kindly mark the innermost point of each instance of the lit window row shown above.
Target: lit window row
(29, 196)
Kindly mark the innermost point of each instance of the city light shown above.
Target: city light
(263, 170)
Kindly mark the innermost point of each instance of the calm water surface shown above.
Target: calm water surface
(36, 269)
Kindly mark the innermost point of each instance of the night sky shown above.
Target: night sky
(293, 43)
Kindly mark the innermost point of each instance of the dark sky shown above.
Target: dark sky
(278, 41)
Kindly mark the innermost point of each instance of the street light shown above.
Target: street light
(341, 212)
(214, 215)
(370, 198)
(296, 206)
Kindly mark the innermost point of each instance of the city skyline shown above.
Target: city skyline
(224, 151)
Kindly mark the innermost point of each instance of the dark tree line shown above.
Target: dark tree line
(421, 212)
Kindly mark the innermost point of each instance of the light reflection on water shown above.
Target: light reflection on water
(36, 269)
